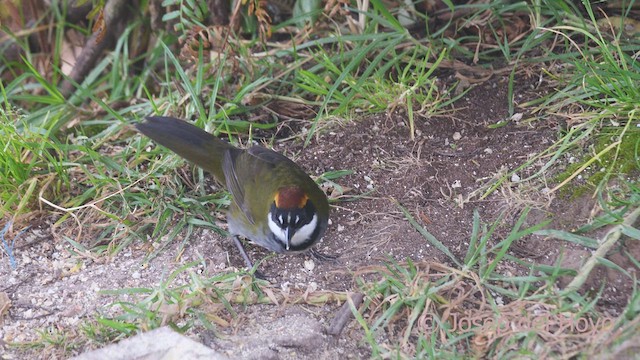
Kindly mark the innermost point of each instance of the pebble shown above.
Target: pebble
(516, 117)
(309, 265)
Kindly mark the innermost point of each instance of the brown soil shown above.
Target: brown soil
(432, 176)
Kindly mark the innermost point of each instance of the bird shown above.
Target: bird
(275, 204)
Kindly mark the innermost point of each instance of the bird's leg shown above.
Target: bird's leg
(238, 243)
(245, 256)
(322, 257)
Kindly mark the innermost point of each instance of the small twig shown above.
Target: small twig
(585, 165)
(610, 239)
(16, 285)
(344, 314)
(9, 248)
(35, 307)
(116, 16)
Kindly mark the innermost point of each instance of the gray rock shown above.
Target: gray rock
(296, 335)
(159, 344)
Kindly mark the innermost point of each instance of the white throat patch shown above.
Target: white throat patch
(300, 236)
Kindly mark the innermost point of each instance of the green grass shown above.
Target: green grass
(79, 160)
(430, 310)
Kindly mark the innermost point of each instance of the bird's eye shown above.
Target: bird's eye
(288, 219)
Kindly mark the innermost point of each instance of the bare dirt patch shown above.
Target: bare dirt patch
(433, 176)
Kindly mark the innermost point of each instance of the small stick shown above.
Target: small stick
(344, 314)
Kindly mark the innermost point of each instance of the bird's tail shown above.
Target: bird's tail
(188, 141)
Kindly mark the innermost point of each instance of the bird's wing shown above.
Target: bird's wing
(233, 183)
(268, 155)
(253, 167)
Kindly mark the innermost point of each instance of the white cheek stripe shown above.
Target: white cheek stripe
(305, 232)
(277, 230)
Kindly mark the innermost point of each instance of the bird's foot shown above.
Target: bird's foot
(322, 257)
(257, 273)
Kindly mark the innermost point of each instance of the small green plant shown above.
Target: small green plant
(30, 163)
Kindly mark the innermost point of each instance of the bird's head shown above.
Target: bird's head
(293, 219)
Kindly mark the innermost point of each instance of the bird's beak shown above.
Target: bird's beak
(288, 233)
